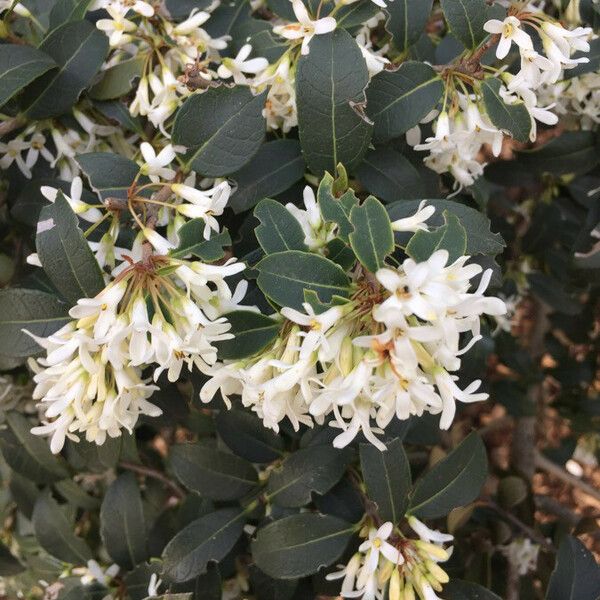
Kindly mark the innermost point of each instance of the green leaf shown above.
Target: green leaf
(355, 14)
(340, 253)
(279, 230)
(222, 129)
(75, 495)
(390, 176)
(399, 100)
(272, 170)
(38, 312)
(284, 277)
(55, 533)
(109, 174)
(466, 19)
(576, 575)
(467, 590)
(259, 34)
(330, 84)
(191, 241)
(334, 209)
(253, 333)
(313, 469)
(571, 152)
(211, 473)
(513, 119)
(65, 254)
(454, 481)
(79, 49)
(118, 80)
(28, 454)
(246, 436)
(480, 240)
(299, 545)
(122, 525)
(388, 479)
(19, 66)
(205, 540)
(407, 20)
(372, 239)
(65, 11)
(451, 237)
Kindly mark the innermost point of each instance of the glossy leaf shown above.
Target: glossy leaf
(330, 83)
(466, 19)
(211, 473)
(456, 589)
(407, 20)
(118, 79)
(451, 237)
(109, 174)
(454, 481)
(192, 242)
(513, 119)
(222, 129)
(279, 230)
(299, 545)
(65, 254)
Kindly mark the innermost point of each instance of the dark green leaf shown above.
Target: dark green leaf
(207, 539)
(118, 79)
(284, 277)
(244, 434)
(222, 129)
(19, 66)
(28, 454)
(181, 9)
(79, 49)
(466, 590)
(576, 575)
(75, 495)
(512, 490)
(552, 291)
(372, 239)
(300, 545)
(272, 170)
(571, 152)
(407, 20)
(38, 312)
(480, 240)
(122, 523)
(253, 333)
(191, 241)
(336, 210)
(65, 254)
(513, 119)
(330, 84)
(211, 473)
(388, 479)
(454, 481)
(340, 253)
(65, 11)
(390, 176)
(109, 174)
(259, 34)
(279, 230)
(313, 469)
(354, 14)
(588, 67)
(466, 19)
(451, 237)
(399, 100)
(226, 17)
(55, 533)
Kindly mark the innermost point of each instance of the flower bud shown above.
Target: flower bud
(395, 586)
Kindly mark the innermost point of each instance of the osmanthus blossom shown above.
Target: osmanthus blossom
(306, 28)
(241, 65)
(361, 363)
(18, 8)
(90, 380)
(118, 27)
(389, 561)
(510, 32)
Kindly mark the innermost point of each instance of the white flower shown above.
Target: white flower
(12, 152)
(510, 31)
(377, 544)
(161, 244)
(81, 208)
(417, 221)
(305, 29)
(426, 534)
(238, 66)
(155, 166)
(118, 28)
(533, 68)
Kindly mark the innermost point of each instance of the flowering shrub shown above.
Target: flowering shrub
(299, 296)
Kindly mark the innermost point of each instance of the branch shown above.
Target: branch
(154, 474)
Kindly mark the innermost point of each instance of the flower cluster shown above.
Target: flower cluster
(463, 126)
(161, 312)
(389, 561)
(389, 351)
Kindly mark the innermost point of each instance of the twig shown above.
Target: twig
(529, 531)
(154, 474)
(545, 464)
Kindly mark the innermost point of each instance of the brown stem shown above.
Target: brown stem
(10, 125)
(154, 474)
